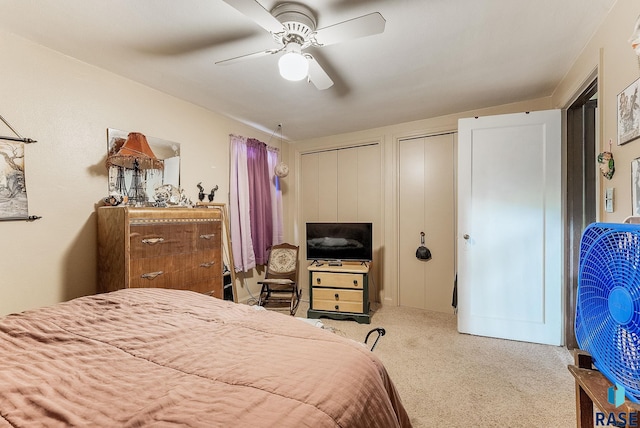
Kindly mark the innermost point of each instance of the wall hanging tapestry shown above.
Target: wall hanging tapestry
(13, 191)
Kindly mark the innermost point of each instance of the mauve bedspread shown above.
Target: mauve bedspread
(155, 357)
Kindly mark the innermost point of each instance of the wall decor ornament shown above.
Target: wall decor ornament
(606, 163)
(281, 169)
(629, 114)
(635, 187)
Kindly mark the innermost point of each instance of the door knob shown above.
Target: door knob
(466, 236)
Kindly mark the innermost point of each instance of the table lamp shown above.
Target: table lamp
(136, 155)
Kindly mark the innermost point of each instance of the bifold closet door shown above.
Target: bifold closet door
(426, 204)
(344, 185)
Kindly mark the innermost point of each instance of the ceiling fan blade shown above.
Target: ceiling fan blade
(317, 75)
(366, 25)
(254, 10)
(248, 56)
(194, 44)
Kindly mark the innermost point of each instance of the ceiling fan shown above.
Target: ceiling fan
(293, 27)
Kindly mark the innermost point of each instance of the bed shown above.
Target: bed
(159, 357)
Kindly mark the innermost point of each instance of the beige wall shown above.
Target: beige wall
(67, 106)
(617, 67)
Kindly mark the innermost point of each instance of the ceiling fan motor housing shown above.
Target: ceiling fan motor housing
(298, 21)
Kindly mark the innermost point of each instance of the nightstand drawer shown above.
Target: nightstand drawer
(337, 295)
(339, 280)
(339, 292)
(332, 305)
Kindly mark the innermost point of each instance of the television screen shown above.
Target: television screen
(340, 241)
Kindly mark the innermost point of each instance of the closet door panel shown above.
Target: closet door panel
(369, 207)
(412, 205)
(327, 186)
(310, 191)
(370, 187)
(426, 198)
(348, 191)
(439, 221)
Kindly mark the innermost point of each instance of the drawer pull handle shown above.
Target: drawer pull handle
(337, 296)
(318, 280)
(152, 241)
(151, 275)
(207, 264)
(355, 282)
(208, 236)
(337, 307)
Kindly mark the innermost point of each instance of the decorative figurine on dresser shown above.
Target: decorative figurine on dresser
(160, 247)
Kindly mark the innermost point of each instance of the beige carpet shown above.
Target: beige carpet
(448, 379)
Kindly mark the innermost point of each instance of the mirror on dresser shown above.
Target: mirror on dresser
(163, 172)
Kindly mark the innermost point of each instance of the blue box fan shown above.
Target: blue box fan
(608, 302)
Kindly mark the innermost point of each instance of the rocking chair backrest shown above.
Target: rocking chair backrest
(283, 261)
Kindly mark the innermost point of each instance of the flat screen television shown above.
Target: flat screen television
(340, 241)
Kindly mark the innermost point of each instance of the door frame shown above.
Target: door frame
(582, 195)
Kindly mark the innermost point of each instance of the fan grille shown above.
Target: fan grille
(608, 302)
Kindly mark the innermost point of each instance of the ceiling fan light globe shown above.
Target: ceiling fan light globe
(293, 66)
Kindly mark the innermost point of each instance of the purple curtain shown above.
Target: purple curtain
(260, 211)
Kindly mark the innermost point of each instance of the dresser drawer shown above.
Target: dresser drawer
(154, 240)
(171, 272)
(158, 272)
(208, 236)
(211, 288)
(337, 295)
(204, 265)
(339, 280)
(332, 305)
(161, 239)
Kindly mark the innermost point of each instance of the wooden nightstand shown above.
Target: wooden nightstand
(339, 292)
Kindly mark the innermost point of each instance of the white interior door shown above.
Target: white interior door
(510, 227)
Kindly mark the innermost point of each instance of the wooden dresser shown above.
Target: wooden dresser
(160, 247)
(339, 292)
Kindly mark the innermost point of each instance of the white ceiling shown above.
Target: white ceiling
(435, 57)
